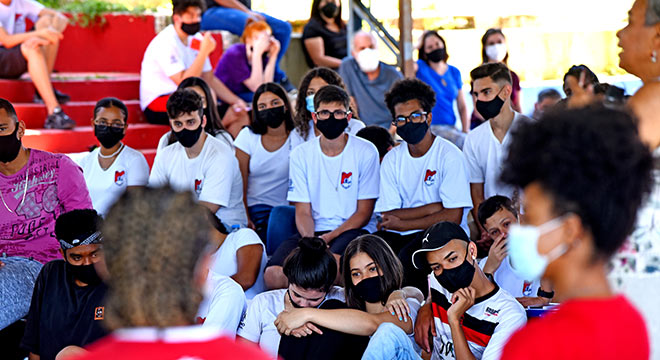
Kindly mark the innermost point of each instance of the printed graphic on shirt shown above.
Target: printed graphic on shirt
(99, 313)
(120, 177)
(198, 187)
(346, 179)
(429, 178)
(491, 312)
(527, 288)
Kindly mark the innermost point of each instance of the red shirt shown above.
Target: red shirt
(185, 343)
(583, 329)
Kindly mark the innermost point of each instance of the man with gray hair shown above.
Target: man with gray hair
(368, 79)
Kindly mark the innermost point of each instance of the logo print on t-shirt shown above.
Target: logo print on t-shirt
(346, 180)
(429, 178)
(198, 187)
(195, 44)
(99, 313)
(527, 288)
(120, 176)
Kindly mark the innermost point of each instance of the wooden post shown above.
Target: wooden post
(405, 38)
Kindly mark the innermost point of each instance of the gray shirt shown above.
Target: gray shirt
(370, 95)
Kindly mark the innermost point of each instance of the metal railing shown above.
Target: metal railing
(363, 13)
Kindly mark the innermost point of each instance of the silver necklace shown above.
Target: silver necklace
(27, 178)
(111, 155)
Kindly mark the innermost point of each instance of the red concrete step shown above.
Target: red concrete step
(80, 86)
(81, 112)
(138, 136)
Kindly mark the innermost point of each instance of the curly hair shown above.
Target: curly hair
(302, 118)
(184, 101)
(153, 242)
(410, 89)
(591, 162)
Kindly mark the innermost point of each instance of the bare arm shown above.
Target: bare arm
(477, 193)
(221, 89)
(213, 207)
(416, 212)
(9, 41)
(304, 219)
(33, 356)
(248, 259)
(244, 167)
(348, 321)
(360, 218)
(462, 111)
(461, 348)
(317, 53)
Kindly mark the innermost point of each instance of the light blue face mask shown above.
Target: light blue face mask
(310, 103)
(523, 249)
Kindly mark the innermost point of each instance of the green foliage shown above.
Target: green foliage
(90, 12)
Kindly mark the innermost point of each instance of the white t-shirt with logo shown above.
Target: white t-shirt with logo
(223, 136)
(333, 185)
(485, 158)
(165, 56)
(258, 324)
(354, 125)
(130, 168)
(440, 175)
(487, 325)
(213, 176)
(223, 306)
(13, 16)
(509, 281)
(268, 176)
(224, 262)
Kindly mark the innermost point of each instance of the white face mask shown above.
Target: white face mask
(523, 249)
(367, 60)
(496, 52)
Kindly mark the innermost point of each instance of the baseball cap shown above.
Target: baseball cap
(435, 238)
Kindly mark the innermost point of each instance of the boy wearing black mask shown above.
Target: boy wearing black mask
(486, 146)
(199, 163)
(467, 314)
(67, 306)
(423, 181)
(333, 181)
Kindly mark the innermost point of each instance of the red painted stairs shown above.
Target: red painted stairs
(85, 89)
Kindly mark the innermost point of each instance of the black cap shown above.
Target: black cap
(435, 238)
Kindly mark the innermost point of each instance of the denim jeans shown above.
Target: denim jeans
(281, 226)
(17, 279)
(259, 214)
(389, 342)
(233, 20)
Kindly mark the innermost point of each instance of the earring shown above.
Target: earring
(654, 57)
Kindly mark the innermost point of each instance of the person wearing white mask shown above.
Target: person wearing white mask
(368, 79)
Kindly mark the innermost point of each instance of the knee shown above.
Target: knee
(44, 22)
(29, 49)
(388, 330)
(280, 27)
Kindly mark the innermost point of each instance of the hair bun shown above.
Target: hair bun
(312, 246)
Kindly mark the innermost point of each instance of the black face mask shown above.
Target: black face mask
(369, 290)
(84, 273)
(188, 138)
(329, 10)
(413, 133)
(108, 136)
(272, 117)
(9, 146)
(457, 278)
(437, 55)
(490, 109)
(192, 28)
(332, 128)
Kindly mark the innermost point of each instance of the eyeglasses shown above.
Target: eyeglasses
(338, 114)
(415, 117)
(114, 124)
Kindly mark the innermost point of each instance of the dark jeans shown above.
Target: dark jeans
(259, 214)
(281, 226)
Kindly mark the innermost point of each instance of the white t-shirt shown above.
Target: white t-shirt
(333, 185)
(268, 176)
(130, 168)
(13, 16)
(213, 176)
(165, 56)
(354, 125)
(223, 261)
(223, 306)
(440, 175)
(485, 157)
(258, 324)
(487, 325)
(223, 136)
(509, 281)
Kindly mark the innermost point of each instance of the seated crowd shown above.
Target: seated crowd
(350, 220)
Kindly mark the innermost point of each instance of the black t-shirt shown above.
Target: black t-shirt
(334, 43)
(212, 3)
(62, 313)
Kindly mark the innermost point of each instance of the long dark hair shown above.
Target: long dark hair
(260, 127)
(311, 265)
(316, 14)
(383, 256)
(302, 118)
(213, 122)
(489, 32)
(421, 54)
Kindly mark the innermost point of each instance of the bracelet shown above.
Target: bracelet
(545, 294)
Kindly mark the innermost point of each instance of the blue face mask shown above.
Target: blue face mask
(523, 249)
(310, 103)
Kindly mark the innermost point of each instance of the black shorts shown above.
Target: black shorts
(12, 62)
(337, 246)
